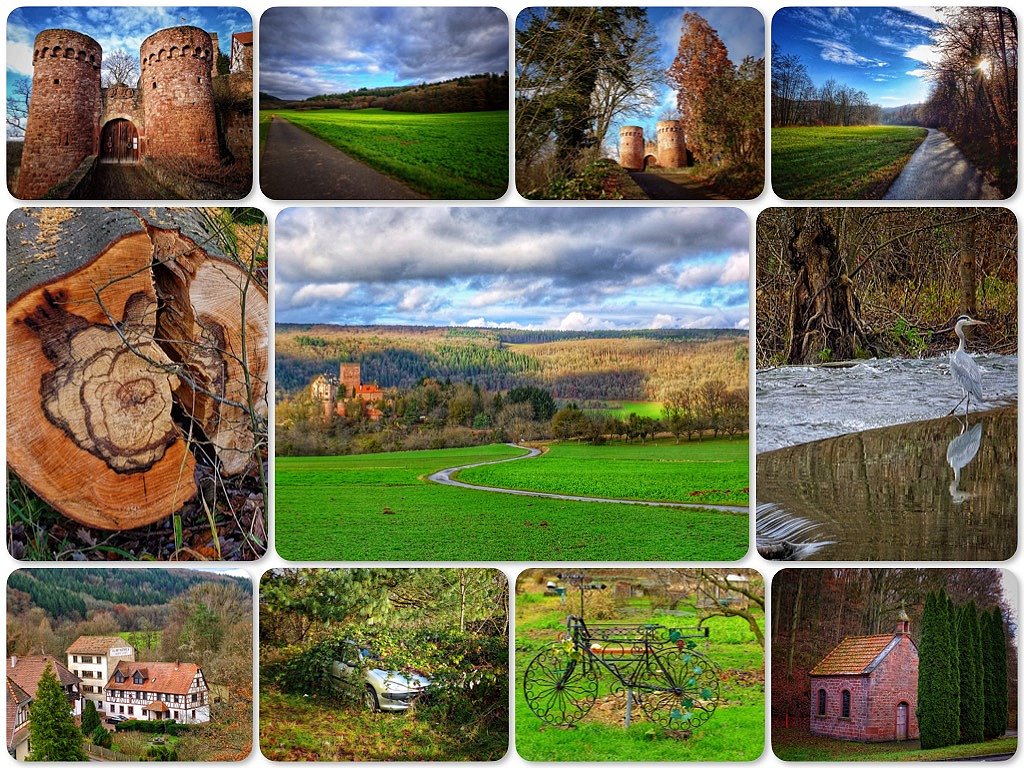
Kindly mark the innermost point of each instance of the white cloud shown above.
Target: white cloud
(926, 54)
(919, 72)
(662, 320)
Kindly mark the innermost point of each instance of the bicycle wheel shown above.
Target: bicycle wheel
(559, 689)
(678, 689)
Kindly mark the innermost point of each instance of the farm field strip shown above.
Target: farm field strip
(460, 155)
(835, 162)
(709, 472)
(378, 507)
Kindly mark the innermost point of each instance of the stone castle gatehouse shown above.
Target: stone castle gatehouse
(668, 151)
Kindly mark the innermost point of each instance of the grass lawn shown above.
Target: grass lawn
(457, 156)
(798, 744)
(712, 471)
(623, 408)
(840, 163)
(264, 125)
(380, 507)
(735, 732)
(302, 728)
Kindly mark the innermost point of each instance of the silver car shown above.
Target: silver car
(382, 689)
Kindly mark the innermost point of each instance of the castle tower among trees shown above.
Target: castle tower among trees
(64, 111)
(671, 144)
(350, 377)
(631, 147)
(178, 65)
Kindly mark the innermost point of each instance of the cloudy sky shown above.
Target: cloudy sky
(884, 52)
(309, 51)
(740, 29)
(114, 28)
(558, 268)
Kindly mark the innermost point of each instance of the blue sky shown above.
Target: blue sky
(557, 268)
(113, 27)
(884, 52)
(310, 51)
(740, 29)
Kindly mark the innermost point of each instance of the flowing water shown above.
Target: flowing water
(854, 465)
(798, 404)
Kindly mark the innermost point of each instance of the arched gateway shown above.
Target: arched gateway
(119, 142)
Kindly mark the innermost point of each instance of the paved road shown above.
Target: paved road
(115, 181)
(938, 170)
(444, 477)
(296, 165)
(658, 187)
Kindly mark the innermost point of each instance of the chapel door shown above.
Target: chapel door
(902, 718)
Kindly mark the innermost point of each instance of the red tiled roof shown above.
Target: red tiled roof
(160, 676)
(28, 669)
(853, 656)
(97, 644)
(157, 706)
(245, 38)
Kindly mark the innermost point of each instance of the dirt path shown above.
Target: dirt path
(444, 477)
(938, 170)
(298, 166)
(114, 181)
(659, 187)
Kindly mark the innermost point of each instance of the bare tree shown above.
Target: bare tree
(725, 596)
(120, 67)
(17, 107)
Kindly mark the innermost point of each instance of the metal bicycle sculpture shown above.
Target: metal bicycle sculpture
(659, 667)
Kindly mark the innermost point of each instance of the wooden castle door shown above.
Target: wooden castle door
(119, 142)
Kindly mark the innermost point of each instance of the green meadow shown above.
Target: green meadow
(712, 471)
(840, 163)
(456, 156)
(381, 507)
(623, 408)
(734, 733)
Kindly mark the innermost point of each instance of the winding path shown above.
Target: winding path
(444, 477)
(938, 170)
(296, 165)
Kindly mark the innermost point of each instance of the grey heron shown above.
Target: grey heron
(965, 371)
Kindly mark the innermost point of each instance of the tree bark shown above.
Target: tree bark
(96, 383)
(824, 314)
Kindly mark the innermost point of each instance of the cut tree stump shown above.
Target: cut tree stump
(118, 322)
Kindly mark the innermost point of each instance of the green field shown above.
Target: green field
(840, 163)
(458, 156)
(142, 640)
(798, 744)
(734, 733)
(712, 471)
(624, 408)
(380, 507)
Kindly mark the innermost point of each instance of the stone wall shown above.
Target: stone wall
(833, 724)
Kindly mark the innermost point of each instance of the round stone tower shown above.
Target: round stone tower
(63, 112)
(631, 147)
(177, 95)
(671, 144)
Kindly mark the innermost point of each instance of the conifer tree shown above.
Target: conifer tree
(52, 730)
(928, 675)
(951, 687)
(994, 659)
(90, 717)
(972, 703)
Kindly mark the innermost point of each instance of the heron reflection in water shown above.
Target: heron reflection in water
(965, 371)
(959, 453)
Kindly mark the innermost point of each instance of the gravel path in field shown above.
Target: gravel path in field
(938, 170)
(444, 477)
(296, 165)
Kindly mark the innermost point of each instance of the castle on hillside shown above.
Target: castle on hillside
(325, 390)
(669, 151)
(180, 109)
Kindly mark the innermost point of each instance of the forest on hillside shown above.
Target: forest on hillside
(583, 366)
(814, 609)
(470, 93)
(844, 283)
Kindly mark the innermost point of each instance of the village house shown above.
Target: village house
(157, 690)
(865, 689)
(18, 701)
(23, 675)
(92, 658)
(241, 52)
